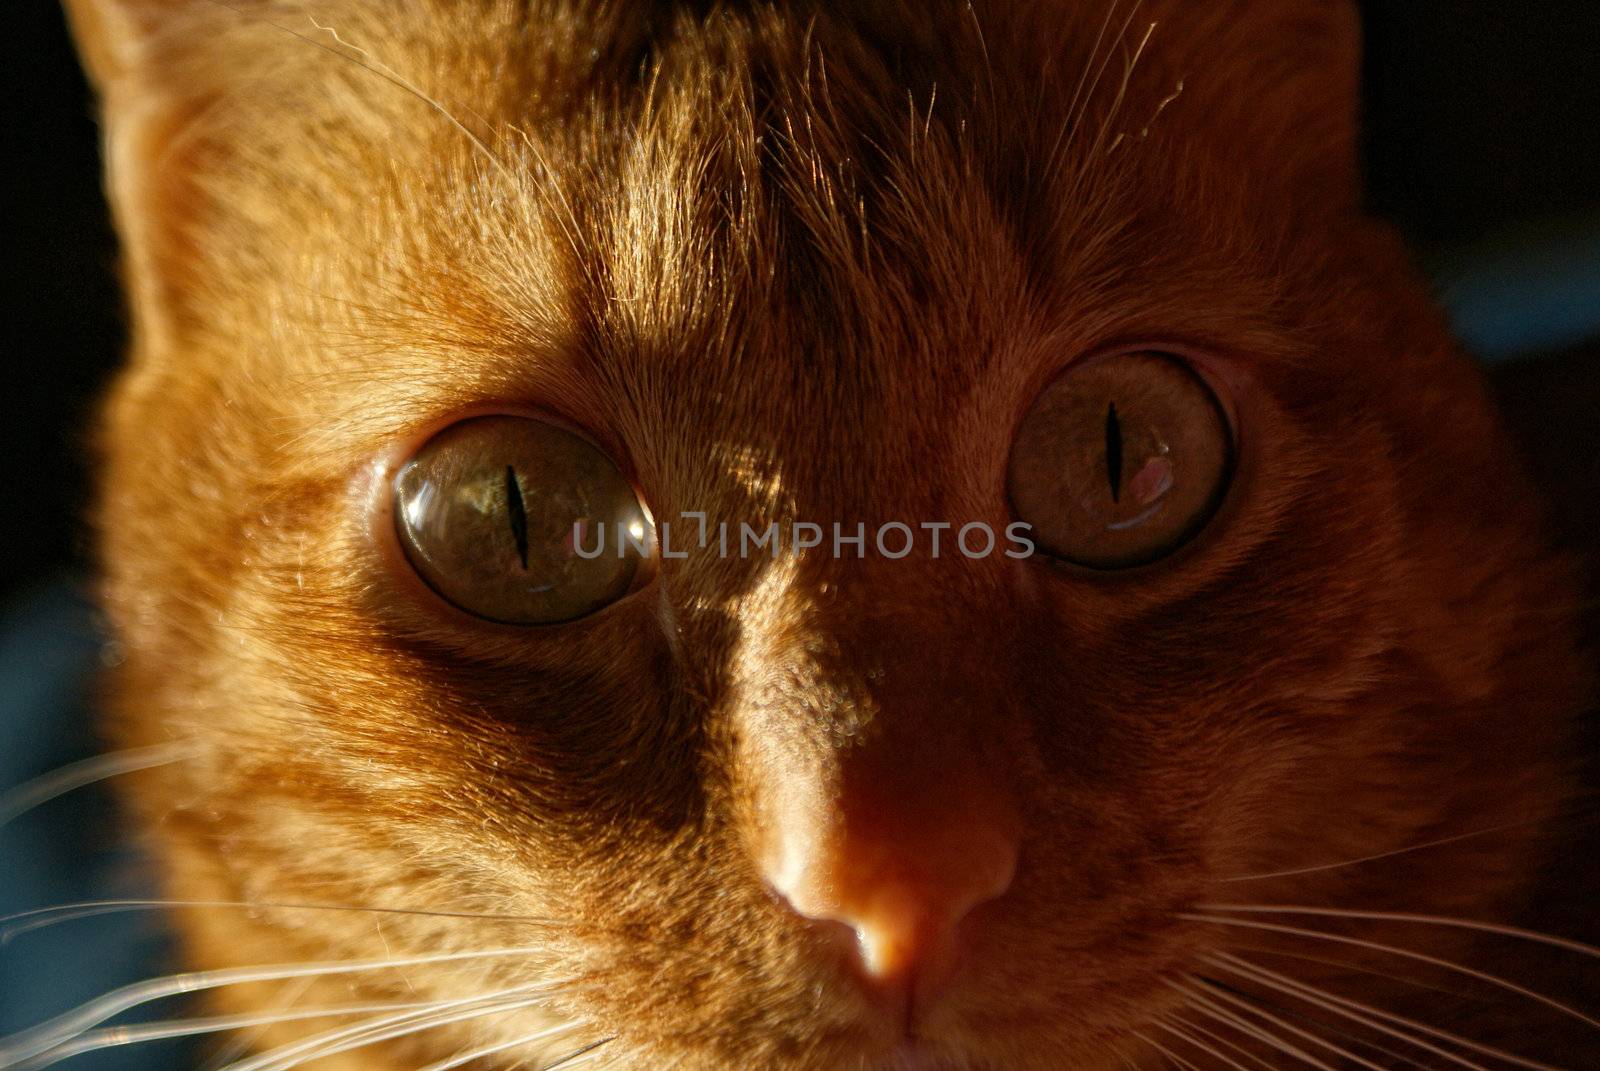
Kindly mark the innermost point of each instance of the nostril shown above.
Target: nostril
(902, 908)
(912, 925)
(900, 844)
(835, 932)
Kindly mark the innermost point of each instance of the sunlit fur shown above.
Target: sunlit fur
(801, 262)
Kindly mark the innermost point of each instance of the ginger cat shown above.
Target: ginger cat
(1232, 717)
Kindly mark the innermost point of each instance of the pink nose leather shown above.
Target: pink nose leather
(905, 853)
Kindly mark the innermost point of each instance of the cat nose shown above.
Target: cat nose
(901, 861)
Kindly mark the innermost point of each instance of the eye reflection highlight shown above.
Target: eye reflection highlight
(486, 512)
(1121, 460)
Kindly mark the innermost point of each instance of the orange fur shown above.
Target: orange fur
(799, 261)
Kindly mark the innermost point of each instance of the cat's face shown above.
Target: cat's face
(799, 266)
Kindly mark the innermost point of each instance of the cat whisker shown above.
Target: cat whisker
(361, 58)
(1352, 1009)
(36, 1040)
(21, 922)
(1425, 845)
(988, 60)
(1358, 860)
(19, 800)
(1069, 125)
(1346, 965)
(500, 1046)
(577, 1056)
(241, 1044)
(1259, 1006)
(1127, 1061)
(1122, 92)
(1211, 1010)
(1317, 935)
(168, 1029)
(1144, 132)
(388, 1027)
(567, 218)
(1080, 109)
(1189, 1039)
(1254, 1008)
(1165, 1052)
(1212, 1035)
(1404, 916)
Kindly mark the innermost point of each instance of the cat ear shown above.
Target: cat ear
(111, 34)
(1282, 77)
(147, 64)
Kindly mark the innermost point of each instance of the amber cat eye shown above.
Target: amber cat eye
(1121, 460)
(492, 511)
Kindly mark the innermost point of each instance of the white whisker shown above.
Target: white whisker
(1209, 1050)
(1346, 965)
(500, 1046)
(1222, 1015)
(1317, 935)
(1357, 861)
(1227, 1043)
(1351, 1009)
(32, 1042)
(1311, 997)
(1104, 63)
(567, 220)
(1404, 916)
(21, 922)
(15, 802)
(578, 1056)
(389, 1027)
(1305, 1035)
(1163, 1050)
(245, 1040)
(1069, 125)
(1122, 91)
(117, 1036)
(364, 60)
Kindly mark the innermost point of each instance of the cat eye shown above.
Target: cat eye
(1120, 461)
(492, 513)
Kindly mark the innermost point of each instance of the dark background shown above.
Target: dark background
(1480, 114)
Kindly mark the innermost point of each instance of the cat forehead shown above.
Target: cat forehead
(761, 213)
(694, 291)
(704, 251)
(743, 221)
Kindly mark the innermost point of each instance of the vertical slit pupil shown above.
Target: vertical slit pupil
(1114, 452)
(518, 514)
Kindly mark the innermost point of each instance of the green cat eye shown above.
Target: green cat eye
(1121, 460)
(520, 521)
